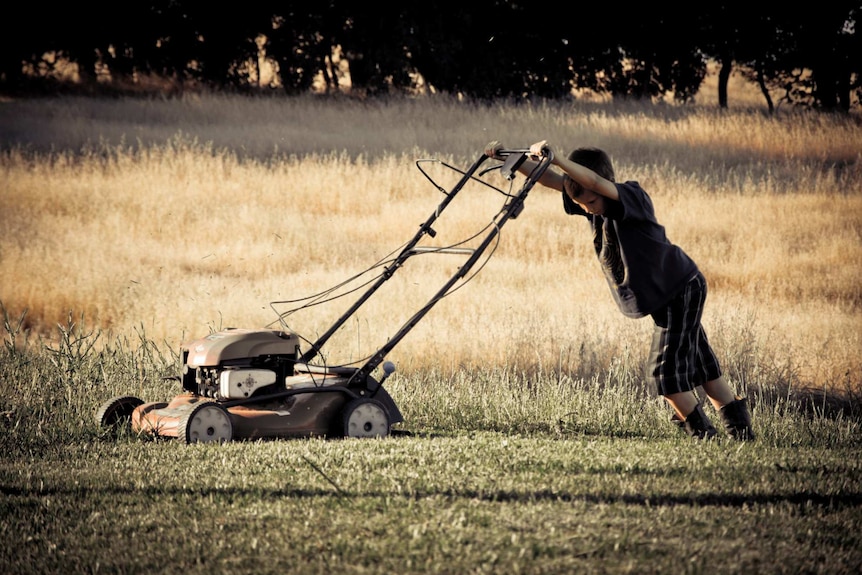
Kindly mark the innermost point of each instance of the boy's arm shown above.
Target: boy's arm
(583, 176)
(549, 179)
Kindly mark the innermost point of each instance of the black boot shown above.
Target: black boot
(737, 420)
(696, 424)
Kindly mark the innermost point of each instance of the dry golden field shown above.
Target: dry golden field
(165, 219)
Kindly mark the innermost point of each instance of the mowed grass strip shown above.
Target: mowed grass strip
(477, 502)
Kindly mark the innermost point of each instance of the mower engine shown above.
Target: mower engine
(238, 363)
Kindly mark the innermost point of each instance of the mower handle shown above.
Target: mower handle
(513, 151)
(510, 210)
(512, 159)
(513, 206)
(545, 151)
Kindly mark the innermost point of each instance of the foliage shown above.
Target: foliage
(488, 49)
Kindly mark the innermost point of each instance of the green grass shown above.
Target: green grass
(462, 502)
(501, 472)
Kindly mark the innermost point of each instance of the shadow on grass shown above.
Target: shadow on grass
(833, 501)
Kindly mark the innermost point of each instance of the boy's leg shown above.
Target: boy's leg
(719, 392)
(682, 403)
(674, 357)
(689, 415)
(732, 410)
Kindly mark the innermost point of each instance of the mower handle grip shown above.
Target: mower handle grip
(502, 152)
(512, 159)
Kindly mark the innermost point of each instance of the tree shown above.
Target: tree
(300, 41)
(827, 38)
(482, 49)
(812, 56)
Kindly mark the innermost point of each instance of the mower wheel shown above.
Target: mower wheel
(117, 412)
(364, 417)
(205, 422)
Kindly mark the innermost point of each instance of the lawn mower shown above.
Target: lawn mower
(260, 383)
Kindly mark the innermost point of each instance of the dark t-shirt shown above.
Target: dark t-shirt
(643, 268)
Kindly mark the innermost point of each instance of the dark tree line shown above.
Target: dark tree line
(482, 49)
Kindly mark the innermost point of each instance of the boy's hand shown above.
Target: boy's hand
(492, 150)
(540, 149)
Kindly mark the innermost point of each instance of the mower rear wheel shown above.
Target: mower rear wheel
(204, 423)
(117, 412)
(364, 417)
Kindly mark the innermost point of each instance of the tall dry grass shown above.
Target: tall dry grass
(178, 217)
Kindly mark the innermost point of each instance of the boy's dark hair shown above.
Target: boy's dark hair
(595, 159)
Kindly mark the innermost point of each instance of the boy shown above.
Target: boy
(648, 275)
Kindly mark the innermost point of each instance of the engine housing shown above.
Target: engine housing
(238, 363)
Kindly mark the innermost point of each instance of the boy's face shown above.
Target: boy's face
(591, 202)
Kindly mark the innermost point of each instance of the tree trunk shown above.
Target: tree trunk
(761, 81)
(723, 79)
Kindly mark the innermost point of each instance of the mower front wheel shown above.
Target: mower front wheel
(117, 412)
(204, 423)
(364, 417)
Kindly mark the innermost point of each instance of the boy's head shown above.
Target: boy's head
(598, 161)
(595, 159)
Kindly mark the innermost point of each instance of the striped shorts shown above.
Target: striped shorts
(680, 356)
